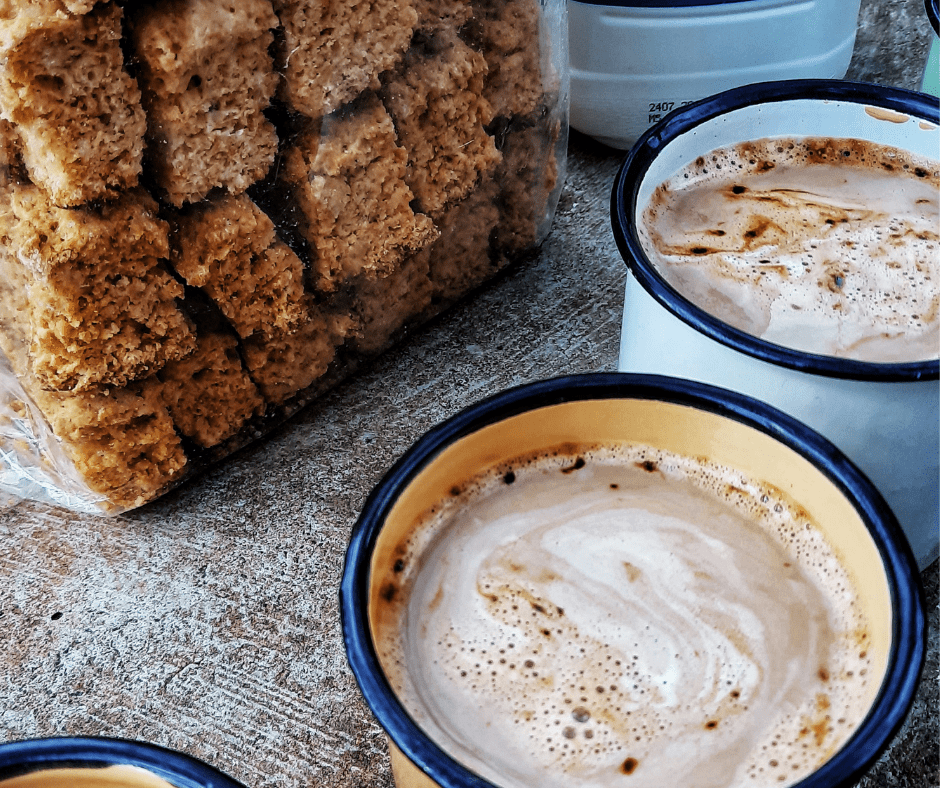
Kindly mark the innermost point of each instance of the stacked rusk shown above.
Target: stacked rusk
(210, 210)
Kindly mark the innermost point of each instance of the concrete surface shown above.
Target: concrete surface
(208, 621)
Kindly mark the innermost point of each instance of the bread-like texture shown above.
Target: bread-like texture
(121, 440)
(436, 103)
(439, 15)
(529, 176)
(348, 180)
(405, 202)
(283, 364)
(208, 394)
(79, 6)
(335, 50)
(507, 32)
(206, 76)
(384, 306)
(228, 246)
(64, 88)
(46, 8)
(461, 258)
(12, 169)
(99, 307)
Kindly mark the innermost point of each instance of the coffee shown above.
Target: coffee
(828, 246)
(588, 615)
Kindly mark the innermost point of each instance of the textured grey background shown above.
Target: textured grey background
(208, 621)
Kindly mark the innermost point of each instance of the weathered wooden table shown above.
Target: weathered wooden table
(208, 621)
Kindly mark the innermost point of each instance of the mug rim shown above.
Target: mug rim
(624, 198)
(22, 757)
(909, 630)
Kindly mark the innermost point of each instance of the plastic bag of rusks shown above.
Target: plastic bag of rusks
(214, 210)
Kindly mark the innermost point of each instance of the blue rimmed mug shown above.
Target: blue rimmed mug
(684, 417)
(102, 762)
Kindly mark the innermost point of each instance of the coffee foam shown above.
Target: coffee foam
(575, 620)
(823, 245)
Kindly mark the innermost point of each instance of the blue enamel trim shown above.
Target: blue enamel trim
(178, 769)
(908, 647)
(637, 162)
(933, 14)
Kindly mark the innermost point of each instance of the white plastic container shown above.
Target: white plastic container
(884, 417)
(633, 61)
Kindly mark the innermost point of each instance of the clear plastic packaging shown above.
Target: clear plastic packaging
(212, 212)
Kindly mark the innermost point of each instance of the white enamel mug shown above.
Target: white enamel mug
(883, 416)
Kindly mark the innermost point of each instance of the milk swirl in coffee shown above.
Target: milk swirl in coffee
(625, 617)
(829, 246)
